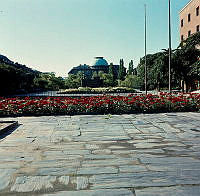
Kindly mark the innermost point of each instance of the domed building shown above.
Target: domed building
(99, 64)
(99, 61)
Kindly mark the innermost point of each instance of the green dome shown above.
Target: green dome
(100, 61)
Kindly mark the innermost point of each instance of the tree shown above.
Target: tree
(131, 81)
(101, 73)
(110, 79)
(122, 71)
(48, 81)
(130, 68)
(94, 75)
(72, 81)
(111, 69)
(157, 70)
(16, 79)
(185, 61)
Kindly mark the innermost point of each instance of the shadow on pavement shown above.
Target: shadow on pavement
(9, 129)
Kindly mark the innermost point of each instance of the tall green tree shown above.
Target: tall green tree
(157, 70)
(121, 72)
(131, 68)
(111, 69)
(185, 61)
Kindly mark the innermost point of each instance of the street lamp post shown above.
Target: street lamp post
(145, 47)
(170, 50)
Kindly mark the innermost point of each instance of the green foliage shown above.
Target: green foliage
(48, 81)
(73, 81)
(122, 70)
(156, 70)
(131, 81)
(131, 68)
(111, 70)
(108, 80)
(185, 65)
(94, 75)
(15, 79)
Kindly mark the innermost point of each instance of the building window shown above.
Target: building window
(197, 28)
(182, 38)
(189, 17)
(189, 33)
(197, 11)
(182, 23)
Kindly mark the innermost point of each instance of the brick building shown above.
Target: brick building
(189, 19)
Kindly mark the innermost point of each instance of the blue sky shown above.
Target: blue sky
(55, 35)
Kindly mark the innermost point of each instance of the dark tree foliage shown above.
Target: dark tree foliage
(185, 60)
(111, 69)
(184, 67)
(122, 70)
(131, 68)
(16, 78)
(157, 70)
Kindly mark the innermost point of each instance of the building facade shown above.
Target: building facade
(189, 19)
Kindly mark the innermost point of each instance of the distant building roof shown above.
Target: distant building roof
(83, 67)
(100, 61)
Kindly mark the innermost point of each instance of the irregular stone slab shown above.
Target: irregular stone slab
(10, 165)
(147, 151)
(132, 131)
(103, 151)
(55, 163)
(104, 133)
(97, 170)
(146, 140)
(33, 183)
(140, 179)
(101, 138)
(56, 171)
(116, 147)
(156, 145)
(175, 160)
(169, 191)
(137, 122)
(16, 157)
(132, 168)
(92, 146)
(102, 192)
(110, 162)
(5, 176)
(99, 156)
(152, 130)
(76, 152)
(64, 180)
(82, 183)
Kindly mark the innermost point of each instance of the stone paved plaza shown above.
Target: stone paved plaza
(101, 155)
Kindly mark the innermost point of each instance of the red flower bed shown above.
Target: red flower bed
(99, 104)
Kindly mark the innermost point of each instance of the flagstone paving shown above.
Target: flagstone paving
(102, 155)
